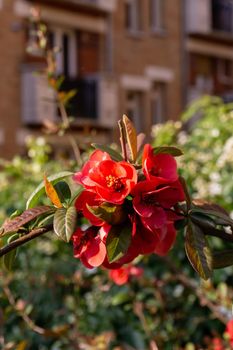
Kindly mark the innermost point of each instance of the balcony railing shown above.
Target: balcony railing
(95, 101)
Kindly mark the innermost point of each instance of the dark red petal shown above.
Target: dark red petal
(144, 187)
(142, 208)
(167, 242)
(157, 220)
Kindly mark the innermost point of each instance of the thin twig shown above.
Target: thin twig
(30, 323)
(24, 239)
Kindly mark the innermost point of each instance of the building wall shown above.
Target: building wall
(12, 45)
(133, 62)
(133, 54)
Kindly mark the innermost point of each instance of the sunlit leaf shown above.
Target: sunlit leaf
(52, 193)
(112, 214)
(118, 241)
(15, 224)
(22, 345)
(131, 136)
(198, 251)
(113, 154)
(173, 151)
(64, 223)
(40, 190)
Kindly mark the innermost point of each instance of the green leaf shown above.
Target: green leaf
(63, 190)
(114, 154)
(202, 220)
(118, 241)
(173, 151)
(64, 223)
(198, 251)
(131, 136)
(9, 258)
(15, 224)
(219, 217)
(40, 190)
(222, 259)
(110, 213)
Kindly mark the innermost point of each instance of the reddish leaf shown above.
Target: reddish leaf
(131, 136)
(15, 224)
(198, 251)
(52, 193)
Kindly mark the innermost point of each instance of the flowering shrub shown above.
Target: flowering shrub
(132, 204)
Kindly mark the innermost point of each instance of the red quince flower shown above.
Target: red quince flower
(157, 241)
(153, 203)
(91, 199)
(111, 181)
(123, 274)
(161, 167)
(82, 177)
(89, 246)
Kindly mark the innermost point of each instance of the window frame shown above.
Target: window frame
(135, 25)
(156, 18)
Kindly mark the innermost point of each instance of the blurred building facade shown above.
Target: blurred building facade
(122, 56)
(208, 44)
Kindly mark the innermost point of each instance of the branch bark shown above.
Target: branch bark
(24, 239)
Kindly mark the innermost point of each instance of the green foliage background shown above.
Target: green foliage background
(168, 304)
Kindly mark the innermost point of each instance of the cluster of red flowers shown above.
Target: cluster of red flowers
(145, 198)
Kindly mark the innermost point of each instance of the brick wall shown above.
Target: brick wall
(133, 53)
(12, 51)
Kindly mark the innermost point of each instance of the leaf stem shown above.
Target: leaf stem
(24, 239)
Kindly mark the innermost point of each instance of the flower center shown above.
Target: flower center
(114, 183)
(149, 199)
(155, 171)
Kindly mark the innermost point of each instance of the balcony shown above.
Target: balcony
(102, 5)
(94, 104)
(107, 6)
(210, 17)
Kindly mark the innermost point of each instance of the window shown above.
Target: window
(225, 71)
(158, 103)
(133, 15)
(66, 41)
(134, 108)
(156, 15)
(222, 15)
